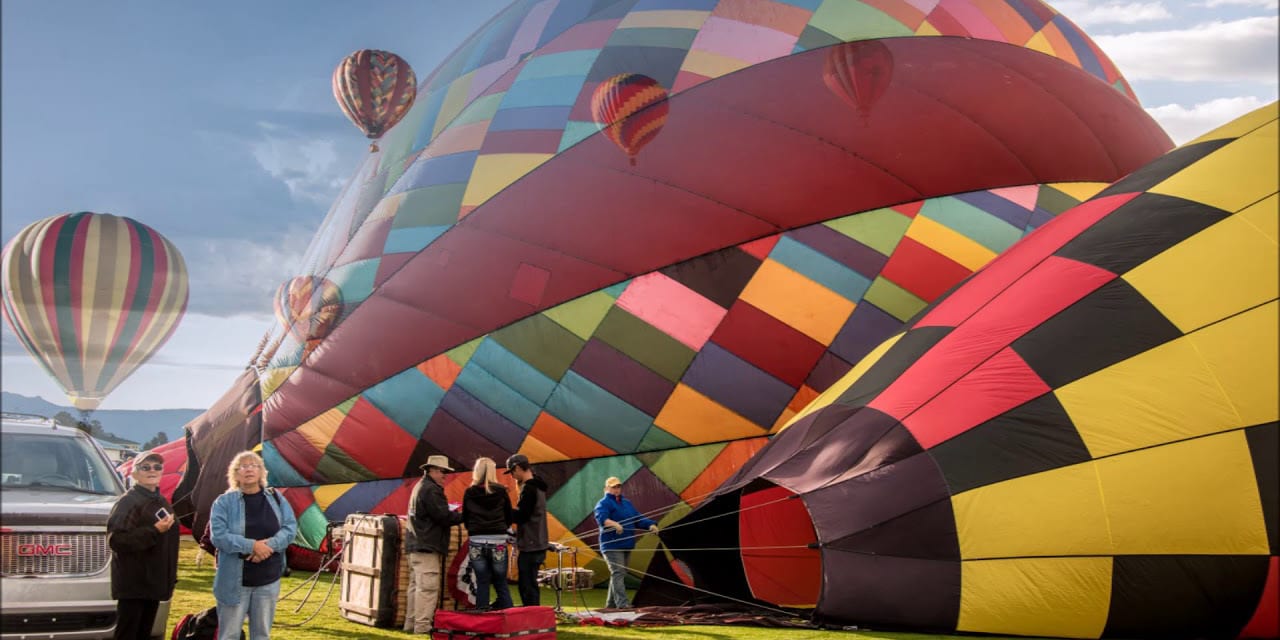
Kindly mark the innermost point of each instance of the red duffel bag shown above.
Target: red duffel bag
(526, 623)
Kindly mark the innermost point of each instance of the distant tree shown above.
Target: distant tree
(65, 419)
(159, 439)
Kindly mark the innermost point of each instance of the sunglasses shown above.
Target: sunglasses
(246, 467)
(151, 467)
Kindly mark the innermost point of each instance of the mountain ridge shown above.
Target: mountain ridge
(134, 425)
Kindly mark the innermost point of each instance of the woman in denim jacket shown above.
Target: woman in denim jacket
(251, 526)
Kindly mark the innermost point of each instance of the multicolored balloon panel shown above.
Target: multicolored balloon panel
(374, 89)
(1080, 440)
(92, 296)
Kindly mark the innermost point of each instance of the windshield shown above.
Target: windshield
(33, 460)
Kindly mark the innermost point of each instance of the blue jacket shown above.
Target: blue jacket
(620, 510)
(226, 528)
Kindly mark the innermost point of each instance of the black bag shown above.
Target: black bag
(199, 626)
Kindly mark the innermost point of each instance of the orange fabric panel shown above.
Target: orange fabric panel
(725, 464)
(569, 441)
(790, 577)
(442, 370)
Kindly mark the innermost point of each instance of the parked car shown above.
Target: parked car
(55, 567)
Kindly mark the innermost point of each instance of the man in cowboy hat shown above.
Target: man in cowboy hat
(427, 541)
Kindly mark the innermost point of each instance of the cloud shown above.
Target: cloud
(1086, 14)
(231, 276)
(1237, 51)
(1186, 123)
(310, 167)
(1265, 4)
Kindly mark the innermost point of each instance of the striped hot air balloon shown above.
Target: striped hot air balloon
(92, 296)
(632, 109)
(308, 307)
(374, 89)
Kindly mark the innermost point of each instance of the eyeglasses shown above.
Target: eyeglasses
(150, 467)
(246, 467)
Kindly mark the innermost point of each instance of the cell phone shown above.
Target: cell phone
(162, 513)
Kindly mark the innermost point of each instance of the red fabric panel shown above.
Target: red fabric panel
(299, 498)
(295, 448)
(768, 343)
(760, 248)
(522, 141)
(923, 271)
(715, 178)
(996, 386)
(1048, 288)
(374, 440)
(398, 501)
(388, 265)
(480, 626)
(786, 577)
(1266, 619)
(1019, 259)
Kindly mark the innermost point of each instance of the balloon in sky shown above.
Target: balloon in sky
(92, 296)
(374, 89)
(510, 282)
(1080, 440)
(631, 107)
(859, 73)
(308, 307)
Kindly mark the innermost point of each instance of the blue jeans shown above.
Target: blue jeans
(258, 603)
(489, 563)
(617, 561)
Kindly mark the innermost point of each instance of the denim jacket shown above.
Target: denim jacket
(226, 525)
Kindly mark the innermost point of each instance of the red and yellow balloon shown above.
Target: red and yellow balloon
(859, 73)
(308, 307)
(92, 296)
(632, 109)
(375, 89)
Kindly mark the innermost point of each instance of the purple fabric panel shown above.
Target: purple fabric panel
(458, 441)
(1039, 217)
(841, 248)
(865, 329)
(738, 385)
(526, 37)
(487, 422)
(999, 207)
(873, 590)
(864, 443)
(829, 369)
(618, 374)
(881, 494)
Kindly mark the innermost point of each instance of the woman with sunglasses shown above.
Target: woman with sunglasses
(144, 550)
(251, 526)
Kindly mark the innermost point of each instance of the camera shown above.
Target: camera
(162, 513)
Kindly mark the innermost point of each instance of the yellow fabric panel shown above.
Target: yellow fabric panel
(327, 493)
(1251, 162)
(319, 430)
(1242, 125)
(273, 378)
(670, 19)
(1060, 597)
(1163, 395)
(1243, 352)
(494, 172)
(1053, 513)
(1040, 43)
(1194, 497)
(843, 384)
(801, 303)
(387, 207)
(455, 100)
(926, 29)
(1265, 217)
(687, 414)
(712, 65)
(1230, 266)
(582, 315)
(1080, 190)
(949, 243)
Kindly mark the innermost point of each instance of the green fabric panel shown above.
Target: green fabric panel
(582, 315)
(653, 37)
(462, 353)
(575, 499)
(680, 467)
(971, 222)
(679, 511)
(1054, 201)
(538, 340)
(311, 527)
(645, 344)
(479, 110)
(880, 229)
(576, 131)
(430, 206)
(814, 38)
(655, 439)
(894, 300)
(335, 466)
(616, 290)
(857, 21)
(346, 405)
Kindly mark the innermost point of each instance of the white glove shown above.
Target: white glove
(653, 528)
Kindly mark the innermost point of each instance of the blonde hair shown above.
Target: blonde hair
(485, 473)
(235, 462)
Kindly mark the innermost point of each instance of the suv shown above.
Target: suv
(58, 488)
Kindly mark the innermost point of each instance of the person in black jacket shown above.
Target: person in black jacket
(427, 541)
(144, 550)
(486, 512)
(531, 536)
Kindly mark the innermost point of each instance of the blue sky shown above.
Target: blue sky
(215, 124)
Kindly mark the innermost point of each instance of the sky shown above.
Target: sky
(215, 124)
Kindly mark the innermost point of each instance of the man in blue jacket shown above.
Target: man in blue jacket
(619, 523)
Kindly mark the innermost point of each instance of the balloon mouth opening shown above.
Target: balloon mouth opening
(85, 403)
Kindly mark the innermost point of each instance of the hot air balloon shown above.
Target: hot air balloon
(859, 73)
(308, 307)
(632, 109)
(374, 89)
(92, 296)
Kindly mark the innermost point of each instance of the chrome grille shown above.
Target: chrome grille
(40, 554)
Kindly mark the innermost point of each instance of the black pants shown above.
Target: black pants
(134, 619)
(527, 564)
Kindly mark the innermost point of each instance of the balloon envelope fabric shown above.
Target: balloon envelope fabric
(1080, 440)
(500, 259)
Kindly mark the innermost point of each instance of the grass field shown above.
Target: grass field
(317, 621)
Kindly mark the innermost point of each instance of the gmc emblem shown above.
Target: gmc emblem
(29, 550)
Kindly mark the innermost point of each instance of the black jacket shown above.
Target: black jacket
(144, 562)
(531, 515)
(486, 513)
(430, 518)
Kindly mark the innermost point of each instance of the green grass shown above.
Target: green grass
(195, 593)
